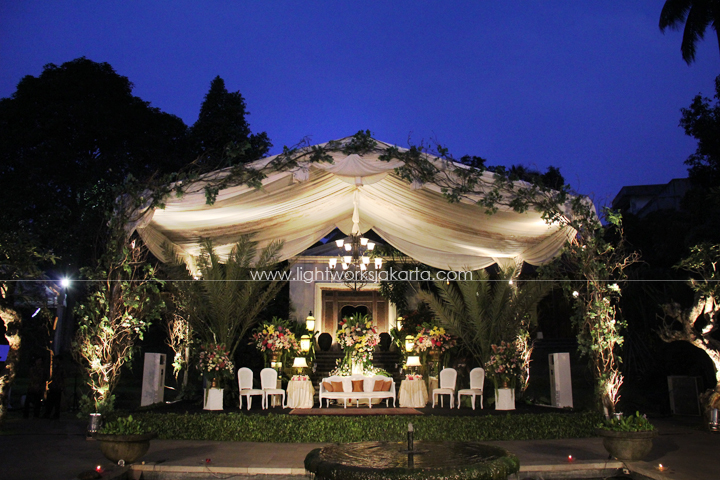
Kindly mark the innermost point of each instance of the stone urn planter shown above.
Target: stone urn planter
(627, 446)
(125, 448)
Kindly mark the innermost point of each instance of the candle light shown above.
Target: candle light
(570, 458)
(661, 468)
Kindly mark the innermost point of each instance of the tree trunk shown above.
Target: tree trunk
(12, 321)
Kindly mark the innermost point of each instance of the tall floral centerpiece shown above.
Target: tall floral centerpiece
(505, 366)
(434, 342)
(276, 341)
(214, 362)
(358, 337)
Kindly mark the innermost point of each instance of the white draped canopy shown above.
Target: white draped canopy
(354, 193)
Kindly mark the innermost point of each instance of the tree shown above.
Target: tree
(123, 300)
(699, 324)
(697, 15)
(226, 302)
(221, 134)
(19, 259)
(484, 311)
(702, 121)
(66, 138)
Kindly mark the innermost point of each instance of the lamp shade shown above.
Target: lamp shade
(332, 262)
(305, 343)
(310, 323)
(300, 362)
(398, 323)
(409, 343)
(413, 361)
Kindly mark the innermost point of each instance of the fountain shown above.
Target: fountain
(426, 460)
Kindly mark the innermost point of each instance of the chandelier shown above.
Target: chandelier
(354, 259)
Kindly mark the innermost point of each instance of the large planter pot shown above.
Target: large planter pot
(504, 399)
(627, 446)
(128, 448)
(213, 399)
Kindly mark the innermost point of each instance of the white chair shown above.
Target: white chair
(245, 383)
(477, 381)
(268, 382)
(448, 376)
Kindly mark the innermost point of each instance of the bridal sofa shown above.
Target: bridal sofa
(356, 388)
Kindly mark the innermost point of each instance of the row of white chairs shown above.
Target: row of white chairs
(448, 379)
(268, 386)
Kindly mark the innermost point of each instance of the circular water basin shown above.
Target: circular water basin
(430, 460)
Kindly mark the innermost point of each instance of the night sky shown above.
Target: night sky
(591, 87)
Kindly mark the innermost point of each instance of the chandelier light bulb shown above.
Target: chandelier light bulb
(348, 247)
(378, 263)
(371, 246)
(347, 259)
(363, 267)
(332, 262)
(345, 266)
(363, 241)
(339, 243)
(366, 260)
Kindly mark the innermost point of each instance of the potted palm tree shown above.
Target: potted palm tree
(627, 438)
(125, 440)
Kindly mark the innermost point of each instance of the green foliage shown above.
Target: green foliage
(631, 423)
(482, 312)
(67, 138)
(241, 427)
(123, 299)
(696, 15)
(221, 134)
(124, 426)
(226, 302)
(702, 122)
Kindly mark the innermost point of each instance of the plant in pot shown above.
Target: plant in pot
(124, 440)
(627, 438)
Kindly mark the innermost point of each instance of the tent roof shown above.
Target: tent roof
(353, 193)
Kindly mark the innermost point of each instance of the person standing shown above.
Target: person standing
(36, 388)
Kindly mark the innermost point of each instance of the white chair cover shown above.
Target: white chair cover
(477, 381)
(245, 384)
(268, 382)
(448, 377)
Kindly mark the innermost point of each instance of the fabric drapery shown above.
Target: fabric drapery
(302, 205)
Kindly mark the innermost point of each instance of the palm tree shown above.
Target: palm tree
(482, 312)
(225, 304)
(697, 15)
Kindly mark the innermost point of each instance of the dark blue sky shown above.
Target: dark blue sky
(591, 87)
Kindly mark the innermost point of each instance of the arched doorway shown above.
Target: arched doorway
(348, 311)
(337, 304)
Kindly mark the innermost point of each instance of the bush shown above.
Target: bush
(241, 427)
(125, 426)
(632, 423)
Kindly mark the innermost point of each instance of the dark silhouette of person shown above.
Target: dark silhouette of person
(55, 389)
(36, 388)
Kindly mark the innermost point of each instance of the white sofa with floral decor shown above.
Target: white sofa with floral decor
(369, 390)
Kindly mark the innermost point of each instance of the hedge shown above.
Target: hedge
(241, 427)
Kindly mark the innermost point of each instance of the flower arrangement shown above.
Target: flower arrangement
(358, 333)
(413, 377)
(358, 337)
(505, 364)
(433, 338)
(275, 337)
(214, 362)
(300, 378)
